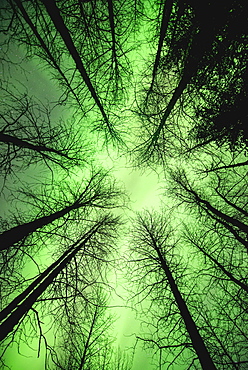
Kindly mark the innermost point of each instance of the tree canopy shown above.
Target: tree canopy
(98, 97)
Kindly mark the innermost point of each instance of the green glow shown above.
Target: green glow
(145, 175)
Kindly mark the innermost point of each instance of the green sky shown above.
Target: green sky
(146, 187)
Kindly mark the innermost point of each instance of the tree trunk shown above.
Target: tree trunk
(218, 213)
(222, 268)
(17, 233)
(45, 48)
(197, 341)
(13, 313)
(59, 24)
(164, 25)
(8, 139)
(112, 27)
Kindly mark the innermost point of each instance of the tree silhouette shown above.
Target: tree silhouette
(101, 71)
(235, 224)
(13, 314)
(29, 136)
(87, 342)
(96, 193)
(172, 77)
(42, 43)
(201, 241)
(193, 72)
(152, 244)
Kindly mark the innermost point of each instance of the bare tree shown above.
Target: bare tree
(29, 136)
(153, 245)
(86, 336)
(194, 69)
(230, 216)
(210, 248)
(98, 52)
(96, 193)
(95, 244)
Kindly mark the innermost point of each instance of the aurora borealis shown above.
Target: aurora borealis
(123, 157)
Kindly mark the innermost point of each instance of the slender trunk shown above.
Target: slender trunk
(45, 48)
(201, 44)
(176, 95)
(245, 163)
(87, 344)
(54, 14)
(230, 228)
(207, 206)
(235, 365)
(222, 268)
(191, 66)
(197, 341)
(241, 210)
(17, 309)
(163, 29)
(218, 213)
(8, 139)
(112, 27)
(17, 233)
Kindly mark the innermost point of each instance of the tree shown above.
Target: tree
(29, 136)
(152, 242)
(175, 72)
(96, 193)
(223, 120)
(167, 9)
(232, 217)
(78, 26)
(215, 233)
(193, 71)
(204, 242)
(87, 341)
(102, 231)
(12, 17)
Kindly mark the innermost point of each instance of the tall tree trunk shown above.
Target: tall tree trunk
(163, 29)
(241, 210)
(45, 48)
(230, 228)
(197, 341)
(59, 24)
(112, 27)
(13, 313)
(17, 233)
(201, 44)
(208, 206)
(8, 139)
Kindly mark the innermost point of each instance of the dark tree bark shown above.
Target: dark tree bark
(8, 139)
(197, 341)
(17, 233)
(13, 313)
(95, 194)
(17, 309)
(59, 24)
(46, 49)
(182, 181)
(164, 25)
(151, 235)
(224, 167)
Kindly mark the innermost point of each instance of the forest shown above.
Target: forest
(124, 187)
